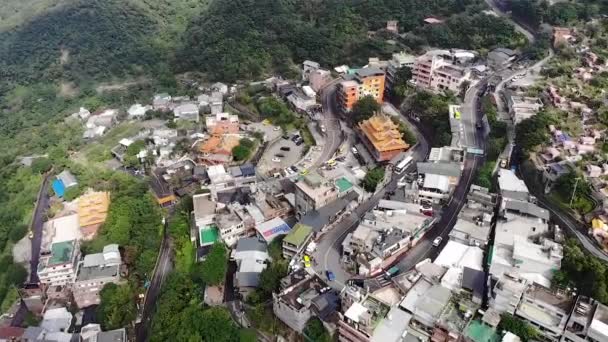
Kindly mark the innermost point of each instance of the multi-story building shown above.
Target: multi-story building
(251, 257)
(303, 295)
(588, 322)
(523, 107)
(94, 271)
(59, 268)
(546, 310)
(381, 137)
(313, 192)
(436, 72)
(365, 82)
(398, 61)
(295, 241)
(507, 293)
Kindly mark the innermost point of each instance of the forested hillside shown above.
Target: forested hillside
(245, 38)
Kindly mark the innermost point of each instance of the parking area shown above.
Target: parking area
(270, 132)
(280, 154)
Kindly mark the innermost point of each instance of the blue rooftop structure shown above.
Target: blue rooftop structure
(58, 188)
(247, 170)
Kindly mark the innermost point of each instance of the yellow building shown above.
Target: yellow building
(382, 138)
(92, 212)
(365, 82)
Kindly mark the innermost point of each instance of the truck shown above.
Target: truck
(391, 272)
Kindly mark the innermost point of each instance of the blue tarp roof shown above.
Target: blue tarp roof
(58, 187)
(247, 170)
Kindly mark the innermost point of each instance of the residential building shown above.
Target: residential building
(137, 111)
(546, 310)
(94, 272)
(381, 137)
(59, 268)
(161, 101)
(251, 257)
(393, 328)
(204, 219)
(56, 320)
(588, 322)
(300, 101)
(309, 67)
(92, 212)
(186, 111)
(318, 79)
(220, 87)
(435, 71)
(216, 103)
(301, 296)
(222, 123)
(362, 315)
(106, 118)
(322, 218)
(92, 333)
(392, 26)
(365, 82)
(501, 57)
(65, 180)
(313, 192)
(398, 61)
(440, 179)
(511, 186)
(231, 225)
(507, 292)
(296, 240)
(523, 107)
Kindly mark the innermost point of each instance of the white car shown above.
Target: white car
(276, 128)
(437, 241)
(276, 160)
(323, 129)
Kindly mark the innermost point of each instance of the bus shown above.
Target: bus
(403, 164)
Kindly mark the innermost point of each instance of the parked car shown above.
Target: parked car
(306, 261)
(279, 155)
(330, 275)
(276, 128)
(286, 137)
(276, 160)
(294, 168)
(437, 241)
(285, 148)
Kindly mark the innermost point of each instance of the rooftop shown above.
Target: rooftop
(318, 219)
(203, 206)
(208, 235)
(383, 133)
(367, 72)
(62, 252)
(392, 327)
(444, 169)
(93, 208)
(508, 181)
(343, 184)
(298, 235)
(269, 230)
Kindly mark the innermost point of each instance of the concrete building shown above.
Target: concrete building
(381, 137)
(398, 61)
(59, 268)
(296, 240)
(271, 229)
(137, 111)
(186, 111)
(507, 292)
(393, 328)
(161, 101)
(523, 107)
(546, 310)
(435, 71)
(222, 123)
(251, 257)
(216, 103)
(313, 192)
(94, 271)
(301, 296)
(93, 333)
(360, 318)
(588, 322)
(365, 82)
(511, 186)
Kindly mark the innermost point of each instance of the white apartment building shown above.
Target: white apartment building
(94, 271)
(59, 268)
(436, 72)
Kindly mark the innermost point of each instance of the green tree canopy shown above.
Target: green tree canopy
(240, 152)
(372, 178)
(518, 327)
(117, 308)
(41, 165)
(213, 268)
(365, 108)
(315, 331)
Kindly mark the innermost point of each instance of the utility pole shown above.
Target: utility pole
(574, 191)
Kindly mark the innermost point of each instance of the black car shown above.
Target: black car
(285, 148)
(296, 137)
(293, 168)
(299, 142)
(286, 137)
(279, 155)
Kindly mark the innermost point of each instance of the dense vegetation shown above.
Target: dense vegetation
(372, 178)
(535, 12)
(364, 108)
(586, 273)
(245, 39)
(518, 327)
(243, 150)
(497, 141)
(433, 113)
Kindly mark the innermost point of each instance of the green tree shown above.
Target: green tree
(372, 178)
(365, 108)
(117, 308)
(533, 131)
(518, 327)
(315, 331)
(16, 274)
(17, 232)
(41, 165)
(213, 268)
(240, 152)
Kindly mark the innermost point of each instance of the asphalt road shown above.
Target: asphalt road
(38, 218)
(163, 268)
(328, 252)
(333, 133)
